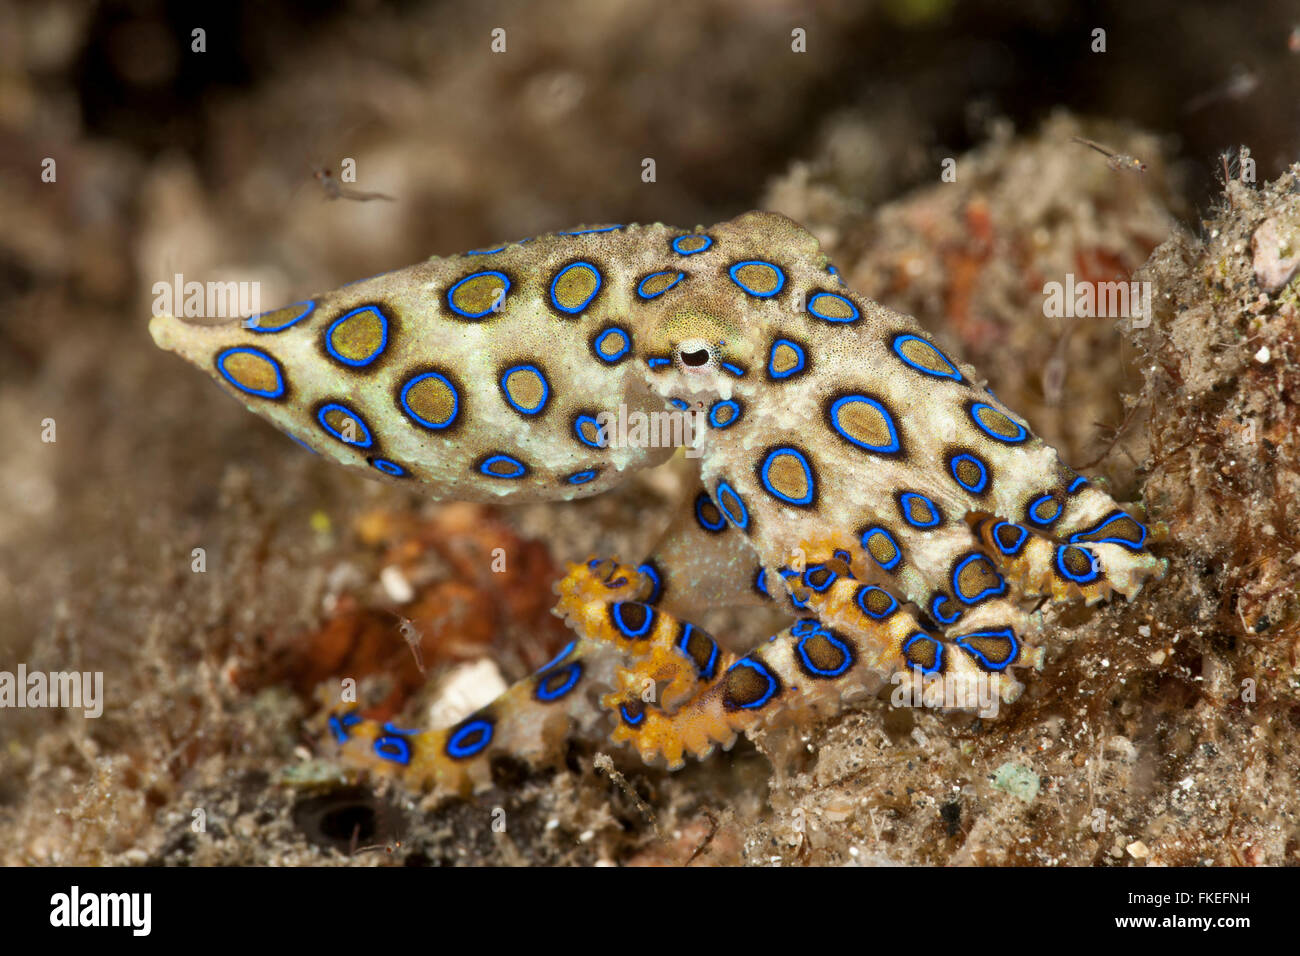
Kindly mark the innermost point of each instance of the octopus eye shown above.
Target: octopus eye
(695, 358)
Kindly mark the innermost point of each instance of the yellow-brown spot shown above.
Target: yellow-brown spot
(656, 284)
(976, 578)
(880, 547)
(358, 338)
(864, 424)
(758, 278)
(923, 652)
(995, 649)
(968, 473)
(997, 423)
(788, 477)
(924, 354)
(479, 295)
(833, 307)
(748, 685)
(784, 358)
(253, 372)
(878, 602)
(575, 287)
(526, 388)
(432, 400)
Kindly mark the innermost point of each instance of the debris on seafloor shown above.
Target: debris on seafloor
(1120, 162)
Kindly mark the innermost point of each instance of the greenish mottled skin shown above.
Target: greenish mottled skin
(871, 447)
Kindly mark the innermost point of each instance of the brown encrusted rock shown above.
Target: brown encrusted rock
(1222, 373)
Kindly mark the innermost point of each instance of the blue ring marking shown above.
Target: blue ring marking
(897, 344)
(308, 305)
(798, 350)
(741, 520)
(600, 432)
(1020, 542)
(812, 307)
(1114, 516)
(389, 467)
(279, 389)
(391, 728)
(807, 625)
(811, 493)
(1092, 575)
(394, 749)
(763, 672)
(459, 748)
(1031, 513)
(678, 403)
(831, 270)
(587, 232)
(336, 407)
(410, 413)
(905, 509)
(582, 477)
(780, 277)
(616, 614)
(654, 275)
(760, 582)
(600, 281)
(831, 577)
(650, 571)
(484, 252)
(520, 468)
(708, 244)
(700, 500)
(812, 668)
(705, 672)
(339, 724)
(655, 362)
(573, 672)
(546, 389)
(938, 653)
(898, 549)
(628, 718)
(733, 368)
(894, 444)
(982, 484)
(861, 599)
(997, 632)
(564, 652)
(451, 293)
(937, 602)
(295, 438)
(1023, 432)
(623, 350)
(993, 590)
(1078, 482)
(383, 341)
(718, 407)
